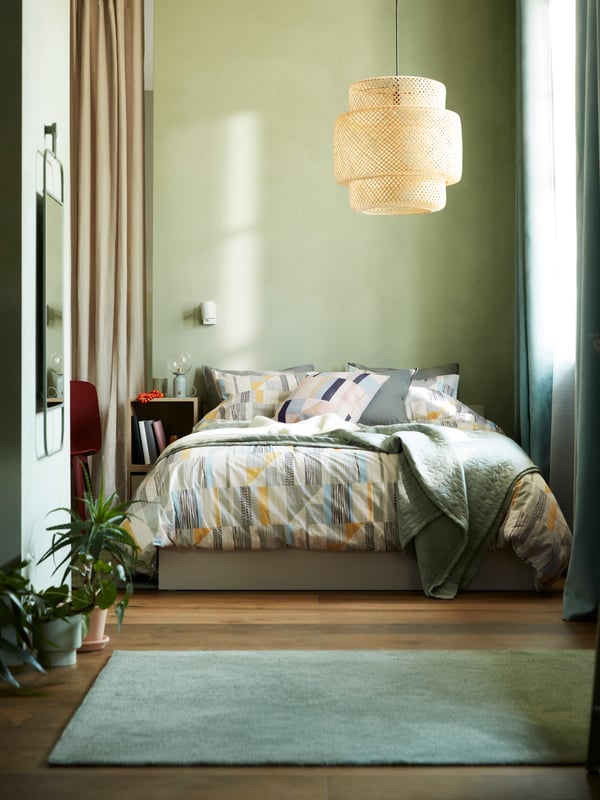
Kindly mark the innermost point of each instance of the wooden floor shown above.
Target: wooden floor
(31, 723)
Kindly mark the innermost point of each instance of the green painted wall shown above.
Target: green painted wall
(247, 213)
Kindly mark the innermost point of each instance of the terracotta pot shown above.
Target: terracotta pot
(95, 639)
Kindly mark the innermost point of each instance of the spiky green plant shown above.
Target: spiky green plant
(96, 549)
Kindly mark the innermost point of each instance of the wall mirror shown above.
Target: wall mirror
(50, 329)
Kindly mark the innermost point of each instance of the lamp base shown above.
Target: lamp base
(179, 386)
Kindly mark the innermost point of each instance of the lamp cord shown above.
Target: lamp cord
(397, 67)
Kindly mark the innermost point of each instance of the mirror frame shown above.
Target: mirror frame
(52, 193)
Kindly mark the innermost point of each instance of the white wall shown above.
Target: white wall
(45, 481)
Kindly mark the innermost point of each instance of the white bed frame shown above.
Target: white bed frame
(314, 570)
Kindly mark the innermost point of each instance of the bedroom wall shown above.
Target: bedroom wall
(246, 211)
(35, 54)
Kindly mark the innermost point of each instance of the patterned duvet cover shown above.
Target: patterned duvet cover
(331, 485)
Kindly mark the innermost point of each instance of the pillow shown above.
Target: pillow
(387, 407)
(246, 395)
(443, 378)
(430, 405)
(220, 384)
(240, 408)
(346, 394)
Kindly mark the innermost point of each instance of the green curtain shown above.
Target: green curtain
(582, 588)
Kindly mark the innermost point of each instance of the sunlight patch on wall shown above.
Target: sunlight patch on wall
(242, 304)
(241, 216)
(242, 201)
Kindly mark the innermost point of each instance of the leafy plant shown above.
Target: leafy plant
(98, 551)
(17, 624)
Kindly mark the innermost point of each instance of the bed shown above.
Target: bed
(360, 479)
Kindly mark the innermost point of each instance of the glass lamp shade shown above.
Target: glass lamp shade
(56, 363)
(398, 147)
(181, 364)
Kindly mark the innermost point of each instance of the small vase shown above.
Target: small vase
(95, 638)
(60, 639)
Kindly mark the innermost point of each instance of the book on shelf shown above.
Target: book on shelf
(152, 449)
(149, 448)
(148, 439)
(137, 455)
(159, 435)
(144, 439)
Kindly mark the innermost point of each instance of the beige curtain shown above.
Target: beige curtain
(107, 178)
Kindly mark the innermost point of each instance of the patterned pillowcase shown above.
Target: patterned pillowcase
(346, 394)
(247, 395)
(240, 408)
(221, 384)
(387, 407)
(443, 378)
(430, 405)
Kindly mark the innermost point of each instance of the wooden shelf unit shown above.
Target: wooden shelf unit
(178, 415)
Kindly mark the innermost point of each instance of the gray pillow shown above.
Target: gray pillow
(212, 396)
(387, 407)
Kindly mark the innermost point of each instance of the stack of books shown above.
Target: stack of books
(148, 440)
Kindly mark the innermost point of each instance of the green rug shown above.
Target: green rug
(334, 707)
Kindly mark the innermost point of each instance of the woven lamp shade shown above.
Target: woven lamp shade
(398, 147)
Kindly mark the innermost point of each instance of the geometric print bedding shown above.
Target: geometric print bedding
(536, 530)
(268, 497)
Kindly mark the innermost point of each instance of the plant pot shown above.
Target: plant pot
(60, 639)
(95, 638)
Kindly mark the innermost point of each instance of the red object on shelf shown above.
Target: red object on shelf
(146, 397)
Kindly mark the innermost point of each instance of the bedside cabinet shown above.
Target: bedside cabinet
(178, 416)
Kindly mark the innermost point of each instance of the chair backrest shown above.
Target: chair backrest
(86, 431)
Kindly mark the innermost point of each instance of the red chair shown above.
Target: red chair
(86, 438)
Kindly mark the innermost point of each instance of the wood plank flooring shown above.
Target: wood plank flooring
(31, 723)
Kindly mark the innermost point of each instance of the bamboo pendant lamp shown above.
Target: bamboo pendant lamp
(398, 147)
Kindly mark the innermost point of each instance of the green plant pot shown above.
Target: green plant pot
(60, 640)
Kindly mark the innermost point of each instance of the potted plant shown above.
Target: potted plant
(62, 613)
(59, 624)
(100, 554)
(17, 625)
(58, 616)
